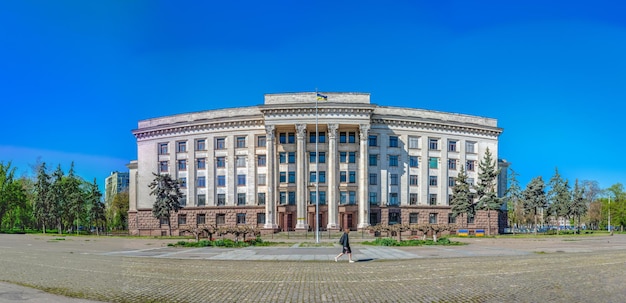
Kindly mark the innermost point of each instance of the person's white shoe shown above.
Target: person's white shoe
(351, 261)
(335, 259)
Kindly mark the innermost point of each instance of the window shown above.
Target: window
(433, 162)
(261, 141)
(412, 180)
(182, 219)
(413, 218)
(343, 177)
(241, 218)
(164, 221)
(352, 197)
(282, 197)
(352, 177)
(352, 157)
(163, 166)
(312, 137)
(469, 165)
(373, 179)
(261, 179)
(220, 219)
(260, 218)
(373, 198)
(413, 199)
(261, 161)
(470, 147)
(322, 137)
(183, 182)
(260, 199)
(322, 175)
(312, 197)
(292, 198)
(312, 177)
(201, 163)
(393, 179)
(343, 137)
(163, 149)
(452, 145)
(432, 199)
(291, 157)
(241, 142)
(282, 177)
(201, 219)
(182, 165)
(343, 157)
(432, 180)
(470, 219)
(372, 140)
(282, 157)
(220, 143)
(201, 199)
(393, 141)
(292, 177)
(413, 161)
(201, 181)
(181, 146)
(451, 219)
(322, 197)
(373, 160)
(201, 144)
(432, 218)
(221, 199)
(221, 180)
(287, 138)
(393, 160)
(241, 161)
(183, 201)
(220, 162)
(433, 144)
(393, 199)
(451, 181)
(452, 164)
(322, 157)
(241, 199)
(313, 158)
(394, 218)
(343, 196)
(241, 180)
(351, 137)
(413, 142)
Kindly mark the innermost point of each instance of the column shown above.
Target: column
(333, 208)
(363, 175)
(301, 187)
(270, 201)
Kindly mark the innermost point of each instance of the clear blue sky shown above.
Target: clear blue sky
(77, 76)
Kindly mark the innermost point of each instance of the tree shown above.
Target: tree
(486, 188)
(559, 197)
(74, 207)
(43, 206)
(461, 203)
(57, 196)
(168, 195)
(12, 194)
(96, 207)
(535, 197)
(579, 205)
(513, 198)
(118, 211)
(618, 204)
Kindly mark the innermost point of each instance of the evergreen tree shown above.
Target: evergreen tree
(559, 197)
(43, 206)
(486, 189)
(579, 205)
(168, 195)
(96, 207)
(513, 198)
(535, 198)
(74, 207)
(58, 198)
(461, 203)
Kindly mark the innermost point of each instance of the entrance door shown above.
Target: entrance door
(348, 221)
(289, 221)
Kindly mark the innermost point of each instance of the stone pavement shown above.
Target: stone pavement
(545, 269)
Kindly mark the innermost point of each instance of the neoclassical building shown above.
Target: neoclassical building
(268, 165)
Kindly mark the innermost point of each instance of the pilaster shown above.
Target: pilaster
(333, 208)
(270, 202)
(363, 173)
(301, 177)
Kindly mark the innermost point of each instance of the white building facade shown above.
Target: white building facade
(269, 165)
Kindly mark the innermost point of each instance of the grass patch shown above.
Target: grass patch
(222, 243)
(411, 242)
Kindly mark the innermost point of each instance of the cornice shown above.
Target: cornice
(320, 111)
(182, 128)
(440, 126)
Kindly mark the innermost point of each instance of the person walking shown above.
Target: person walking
(345, 242)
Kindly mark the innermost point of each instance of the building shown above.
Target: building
(267, 165)
(115, 183)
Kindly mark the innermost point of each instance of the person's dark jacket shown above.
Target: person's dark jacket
(345, 240)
